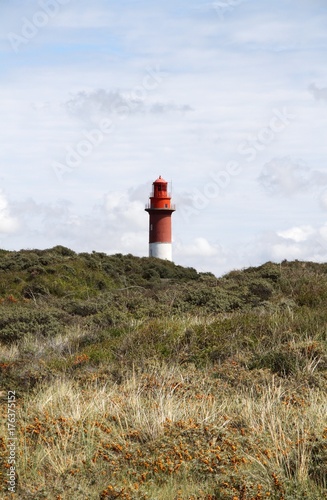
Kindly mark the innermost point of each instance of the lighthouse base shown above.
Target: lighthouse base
(161, 251)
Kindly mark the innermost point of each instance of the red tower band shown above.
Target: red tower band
(160, 210)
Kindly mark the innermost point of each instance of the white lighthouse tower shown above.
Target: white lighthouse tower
(160, 211)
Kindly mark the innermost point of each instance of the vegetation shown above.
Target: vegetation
(139, 379)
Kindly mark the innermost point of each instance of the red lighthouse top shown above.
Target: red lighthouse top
(160, 198)
(160, 180)
(160, 188)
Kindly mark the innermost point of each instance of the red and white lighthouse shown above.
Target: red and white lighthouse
(160, 210)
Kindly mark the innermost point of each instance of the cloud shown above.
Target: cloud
(320, 94)
(285, 177)
(101, 103)
(323, 200)
(288, 251)
(204, 255)
(303, 242)
(117, 223)
(123, 212)
(8, 224)
(200, 247)
(297, 234)
(42, 222)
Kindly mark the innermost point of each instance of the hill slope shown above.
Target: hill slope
(137, 378)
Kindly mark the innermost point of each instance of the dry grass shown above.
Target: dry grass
(171, 432)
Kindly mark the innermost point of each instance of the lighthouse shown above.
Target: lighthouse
(160, 210)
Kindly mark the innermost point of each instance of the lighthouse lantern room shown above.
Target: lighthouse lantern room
(160, 210)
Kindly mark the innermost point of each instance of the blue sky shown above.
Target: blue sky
(227, 99)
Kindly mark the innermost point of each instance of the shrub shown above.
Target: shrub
(19, 321)
(80, 308)
(282, 363)
(261, 289)
(63, 251)
(34, 290)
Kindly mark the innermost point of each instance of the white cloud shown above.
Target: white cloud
(116, 224)
(302, 243)
(124, 212)
(200, 247)
(285, 177)
(287, 251)
(8, 224)
(323, 199)
(297, 234)
(103, 103)
(320, 94)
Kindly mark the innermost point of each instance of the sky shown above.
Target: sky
(226, 100)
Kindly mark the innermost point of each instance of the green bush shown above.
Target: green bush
(80, 308)
(261, 289)
(62, 251)
(282, 363)
(18, 321)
